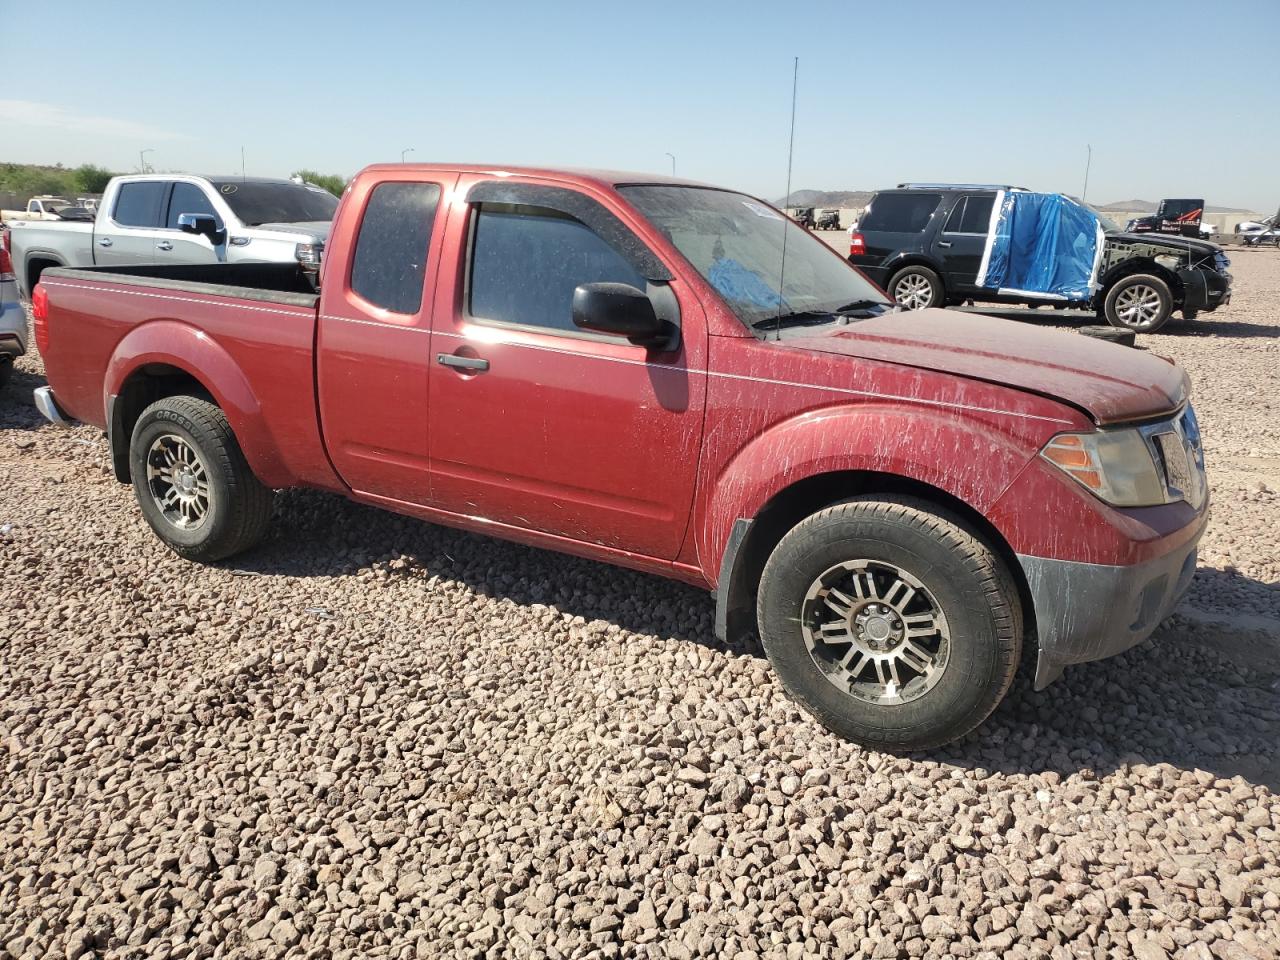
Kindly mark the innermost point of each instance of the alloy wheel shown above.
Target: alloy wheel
(178, 481)
(875, 631)
(913, 291)
(1138, 306)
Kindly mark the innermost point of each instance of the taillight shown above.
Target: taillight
(857, 245)
(40, 316)
(6, 261)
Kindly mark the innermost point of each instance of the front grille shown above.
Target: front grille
(1175, 445)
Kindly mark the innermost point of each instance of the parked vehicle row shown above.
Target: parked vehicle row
(167, 218)
(901, 503)
(929, 245)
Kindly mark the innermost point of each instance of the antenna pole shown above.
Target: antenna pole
(242, 176)
(1088, 161)
(791, 146)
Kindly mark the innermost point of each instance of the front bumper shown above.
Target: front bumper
(1204, 291)
(1090, 611)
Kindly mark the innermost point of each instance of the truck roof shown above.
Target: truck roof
(599, 177)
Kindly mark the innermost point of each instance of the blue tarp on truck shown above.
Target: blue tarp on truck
(1043, 245)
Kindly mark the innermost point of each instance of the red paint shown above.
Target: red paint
(614, 451)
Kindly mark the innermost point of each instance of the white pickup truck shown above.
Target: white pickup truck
(179, 219)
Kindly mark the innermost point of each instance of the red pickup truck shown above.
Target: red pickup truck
(676, 378)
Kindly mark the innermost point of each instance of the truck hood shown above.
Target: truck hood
(1111, 383)
(1170, 241)
(319, 229)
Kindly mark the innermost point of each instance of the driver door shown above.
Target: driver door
(537, 424)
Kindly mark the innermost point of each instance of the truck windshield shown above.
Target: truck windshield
(736, 243)
(257, 202)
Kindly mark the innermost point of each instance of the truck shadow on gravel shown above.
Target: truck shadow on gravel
(1183, 698)
(17, 409)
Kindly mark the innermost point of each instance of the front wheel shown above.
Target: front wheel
(916, 288)
(1140, 302)
(890, 622)
(192, 482)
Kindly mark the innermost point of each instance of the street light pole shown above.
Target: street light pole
(404, 151)
(142, 160)
(673, 163)
(1087, 163)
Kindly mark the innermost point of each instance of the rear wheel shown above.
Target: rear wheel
(1140, 302)
(192, 482)
(890, 622)
(916, 288)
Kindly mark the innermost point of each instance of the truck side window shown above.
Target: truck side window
(138, 204)
(957, 214)
(527, 260)
(188, 198)
(977, 215)
(907, 212)
(390, 261)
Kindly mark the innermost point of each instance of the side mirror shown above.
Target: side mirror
(619, 309)
(200, 224)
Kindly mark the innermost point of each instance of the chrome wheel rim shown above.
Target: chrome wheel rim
(1138, 306)
(913, 291)
(178, 481)
(875, 631)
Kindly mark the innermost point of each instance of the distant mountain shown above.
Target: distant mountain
(1146, 206)
(826, 198)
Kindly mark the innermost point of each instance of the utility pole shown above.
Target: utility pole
(142, 159)
(1087, 163)
(673, 163)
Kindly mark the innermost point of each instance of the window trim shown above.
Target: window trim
(473, 218)
(166, 188)
(363, 302)
(964, 202)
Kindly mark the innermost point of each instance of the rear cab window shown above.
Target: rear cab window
(389, 265)
(971, 214)
(140, 203)
(526, 261)
(906, 212)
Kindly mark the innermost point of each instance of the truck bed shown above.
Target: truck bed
(284, 283)
(248, 329)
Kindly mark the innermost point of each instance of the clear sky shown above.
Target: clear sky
(1177, 98)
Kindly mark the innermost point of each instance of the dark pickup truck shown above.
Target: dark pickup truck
(899, 502)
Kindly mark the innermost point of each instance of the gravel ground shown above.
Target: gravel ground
(372, 737)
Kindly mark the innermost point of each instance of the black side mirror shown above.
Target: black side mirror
(200, 224)
(619, 309)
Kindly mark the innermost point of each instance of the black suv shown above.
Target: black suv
(924, 243)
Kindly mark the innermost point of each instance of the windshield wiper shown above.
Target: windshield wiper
(861, 305)
(796, 318)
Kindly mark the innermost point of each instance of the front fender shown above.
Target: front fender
(173, 343)
(971, 462)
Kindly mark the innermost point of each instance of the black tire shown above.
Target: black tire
(1140, 302)
(237, 507)
(921, 288)
(6, 371)
(958, 573)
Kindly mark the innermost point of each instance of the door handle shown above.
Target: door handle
(477, 364)
(944, 243)
(104, 242)
(164, 245)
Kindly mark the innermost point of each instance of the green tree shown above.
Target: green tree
(92, 179)
(330, 181)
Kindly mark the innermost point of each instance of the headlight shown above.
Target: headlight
(1169, 261)
(1114, 465)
